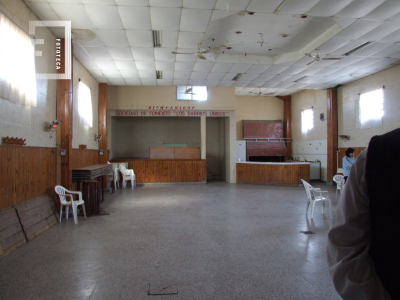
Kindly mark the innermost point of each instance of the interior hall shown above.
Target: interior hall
(188, 133)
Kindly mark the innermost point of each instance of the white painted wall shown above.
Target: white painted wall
(30, 122)
(347, 104)
(311, 146)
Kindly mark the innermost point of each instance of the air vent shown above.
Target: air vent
(238, 75)
(358, 48)
(159, 74)
(156, 38)
(301, 78)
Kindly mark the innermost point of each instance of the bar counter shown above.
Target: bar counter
(269, 173)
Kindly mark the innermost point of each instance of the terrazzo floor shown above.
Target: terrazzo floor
(191, 241)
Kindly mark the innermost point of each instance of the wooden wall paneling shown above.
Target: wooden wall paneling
(84, 157)
(332, 134)
(187, 152)
(27, 172)
(272, 174)
(65, 114)
(161, 153)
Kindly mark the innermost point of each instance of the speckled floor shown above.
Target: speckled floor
(205, 241)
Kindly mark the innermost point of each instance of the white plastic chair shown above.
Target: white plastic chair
(127, 174)
(315, 195)
(116, 177)
(339, 179)
(61, 191)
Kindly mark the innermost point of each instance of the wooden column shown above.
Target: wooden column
(287, 120)
(332, 134)
(65, 114)
(103, 126)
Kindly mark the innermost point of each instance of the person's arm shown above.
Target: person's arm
(350, 264)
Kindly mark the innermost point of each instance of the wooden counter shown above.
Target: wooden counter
(272, 173)
(167, 170)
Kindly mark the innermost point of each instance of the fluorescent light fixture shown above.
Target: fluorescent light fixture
(159, 74)
(156, 38)
(279, 7)
(237, 76)
(301, 78)
(358, 48)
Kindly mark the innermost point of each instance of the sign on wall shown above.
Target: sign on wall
(171, 113)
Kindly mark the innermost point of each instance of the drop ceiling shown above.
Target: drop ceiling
(266, 41)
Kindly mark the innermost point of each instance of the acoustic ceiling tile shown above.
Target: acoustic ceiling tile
(165, 18)
(133, 81)
(203, 66)
(146, 65)
(263, 6)
(96, 42)
(327, 8)
(97, 2)
(164, 82)
(143, 53)
(240, 68)
(164, 54)
(90, 65)
(115, 38)
(275, 69)
(231, 4)
(292, 70)
(249, 77)
(223, 13)
(357, 29)
(347, 48)
(297, 7)
(391, 38)
(221, 67)
(326, 71)
(167, 74)
(44, 11)
(359, 8)
(147, 74)
(385, 11)
(148, 81)
(130, 74)
(198, 75)
(184, 66)
(76, 13)
(190, 39)
(182, 75)
(344, 22)
(135, 17)
(194, 20)
(215, 76)
(331, 45)
(126, 65)
(395, 18)
(105, 65)
(112, 74)
(346, 61)
(139, 38)
(393, 49)
(102, 80)
(132, 3)
(371, 49)
(271, 84)
(165, 65)
(116, 81)
(265, 77)
(258, 69)
(203, 4)
(169, 39)
(104, 16)
(196, 82)
(345, 71)
(284, 85)
(120, 53)
(381, 31)
(165, 3)
(228, 76)
(180, 82)
(298, 85)
(98, 53)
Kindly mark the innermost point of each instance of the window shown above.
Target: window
(307, 120)
(371, 109)
(17, 61)
(85, 105)
(193, 93)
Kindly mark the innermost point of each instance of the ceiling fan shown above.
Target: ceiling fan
(318, 58)
(259, 93)
(199, 53)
